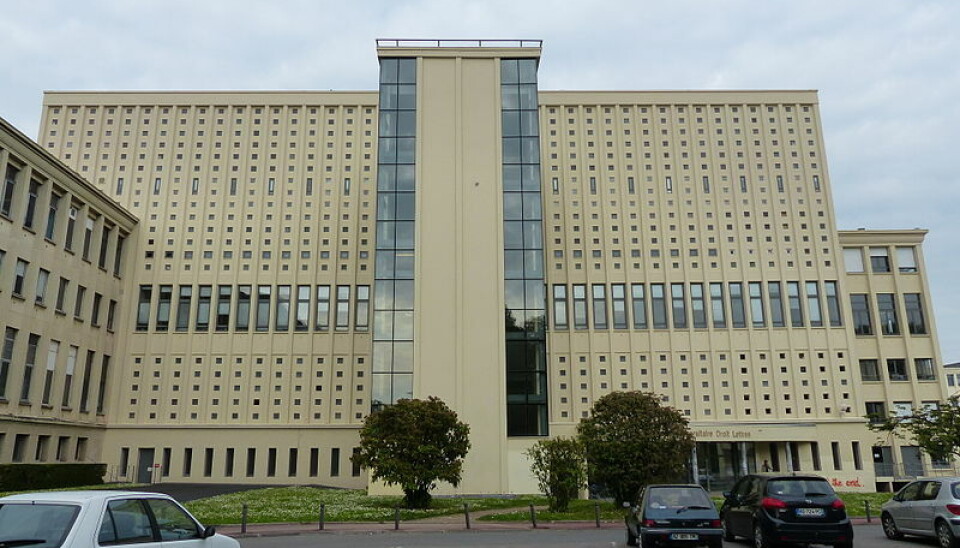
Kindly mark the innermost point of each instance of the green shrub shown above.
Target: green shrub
(23, 477)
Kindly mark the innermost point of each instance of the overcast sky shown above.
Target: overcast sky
(888, 73)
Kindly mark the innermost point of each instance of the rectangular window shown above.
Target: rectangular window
(743, 183)
(356, 466)
(862, 320)
(599, 294)
(52, 352)
(343, 308)
(228, 458)
(639, 306)
(780, 189)
(314, 462)
(208, 462)
(870, 370)
(165, 296)
(631, 185)
(62, 295)
(104, 246)
(756, 304)
(243, 307)
(78, 305)
(119, 190)
(309, 186)
(815, 455)
(876, 412)
(835, 451)
(143, 306)
(334, 462)
(361, 308)
(292, 459)
(706, 185)
(187, 458)
(156, 186)
(618, 296)
(833, 303)
(303, 308)
(111, 314)
(165, 463)
(679, 306)
(102, 386)
(43, 276)
(887, 309)
(263, 307)
(271, 186)
(72, 214)
(813, 305)
(9, 187)
(897, 369)
(68, 378)
(776, 304)
(580, 306)
(796, 310)
(204, 298)
(698, 306)
(924, 369)
(118, 255)
(184, 304)
(906, 260)
(913, 308)
(879, 259)
(346, 187)
(54, 206)
(33, 192)
(323, 307)
(85, 385)
(668, 185)
(853, 259)
(560, 307)
(717, 310)
(88, 237)
(195, 186)
(658, 306)
(6, 358)
(233, 186)
(251, 462)
(738, 315)
(282, 320)
(95, 313)
(33, 342)
(19, 275)
(224, 294)
(857, 459)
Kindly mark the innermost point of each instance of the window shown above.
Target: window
(361, 308)
(906, 260)
(88, 237)
(833, 303)
(204, 297)
(580, 306)
(102, 387)
(776, 304)
(302, 319)
(68, 378)
(813, 305)
(52, 216)
(857, 459)
(560, 307)
(33, 191)
(334, 462)
(737, 312)
(639, 306)
(924, 369)
(796, 310)
(42, 277)
(251, 462)
(717, 306)
(156, 186)
(887, 308)
(679, 306)
(323, 307)
(165, 298)
(282, 320)
(71, 226)
(913, 308)
(9, 186)
(902, 409)
(143, 306)
(599, 292)
(263, 307)
(52, 352)
(6, 357)
(697, 306)
(224, 294)
(862, 320)
(32, 344)
(343, 308)
(876, 412)
(133, 528)
(78, 306)
(187, 461)
(658, 306)
(111, 314)
(897, 369)
(879, 260)
(85, 385)
(870, 370)
(756, 304)
(95, 313)
(118, 254)
(19, 274)
(244, 294)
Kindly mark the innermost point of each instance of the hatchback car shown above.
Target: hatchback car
(775, 509)
(680, 515)
(926, 508)
(82, 519)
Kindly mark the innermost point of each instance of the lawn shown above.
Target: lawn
(302, 504)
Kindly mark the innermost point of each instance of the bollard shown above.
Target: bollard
(323, 515)
(396, 518)
(466, 513)
(866, 505)
(596, 513)
(533, 516)
(243, 519)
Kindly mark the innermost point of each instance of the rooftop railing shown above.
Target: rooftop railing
(455, 43)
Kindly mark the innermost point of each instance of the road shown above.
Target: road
(865, 536)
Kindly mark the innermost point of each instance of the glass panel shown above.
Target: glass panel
(510, 120)
(532, 235)
(509, 72)
(511, 177)
(512, 205)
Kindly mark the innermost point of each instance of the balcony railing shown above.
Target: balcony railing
(456, 43)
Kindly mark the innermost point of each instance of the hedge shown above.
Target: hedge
(23, 477)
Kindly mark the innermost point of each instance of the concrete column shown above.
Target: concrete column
(695, 467)
(744, 468)
(788, 457)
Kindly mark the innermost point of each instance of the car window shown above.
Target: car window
(955, 489)
(664, 501)
(740, 489)
(173, 522)
(47, 523)
(799, 487)
(910, 492)
(930, 490)
(125, 522)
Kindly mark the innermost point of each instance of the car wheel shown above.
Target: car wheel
(945, 536)
(759, 539)
(890, 527)
(727, 534)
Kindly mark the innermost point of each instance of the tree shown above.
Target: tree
(560, 468)
(414, 444)
(935, 429)
(632, 440)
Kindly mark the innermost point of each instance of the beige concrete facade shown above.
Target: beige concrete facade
(685, 192)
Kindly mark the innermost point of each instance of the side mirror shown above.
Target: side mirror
(209, 531)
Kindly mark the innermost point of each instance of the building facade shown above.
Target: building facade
(302, 258)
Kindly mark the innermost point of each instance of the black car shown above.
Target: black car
(777, 509)
(674, 515)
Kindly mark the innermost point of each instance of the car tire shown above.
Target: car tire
(759, 538)
(631, 538)
(945, 538)
(890, 527)
(727, 535)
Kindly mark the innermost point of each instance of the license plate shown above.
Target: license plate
(810, 512)
(684, 536)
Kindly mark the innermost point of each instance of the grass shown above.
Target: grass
(100, 486)
(855, 506)
(580, 510)
(302, 505)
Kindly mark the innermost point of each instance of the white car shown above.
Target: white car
(81, 519)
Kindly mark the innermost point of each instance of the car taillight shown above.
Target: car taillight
(649, 523)
(954, 509)
(716, 524)
(837, 505)
(771, 503)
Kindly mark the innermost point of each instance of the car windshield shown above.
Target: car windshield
(800, 488)
(663, 501)
(36, 525)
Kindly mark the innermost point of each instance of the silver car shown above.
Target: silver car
(927, 508)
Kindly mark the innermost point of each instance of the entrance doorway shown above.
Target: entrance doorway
(145, 466)
(721, 464)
